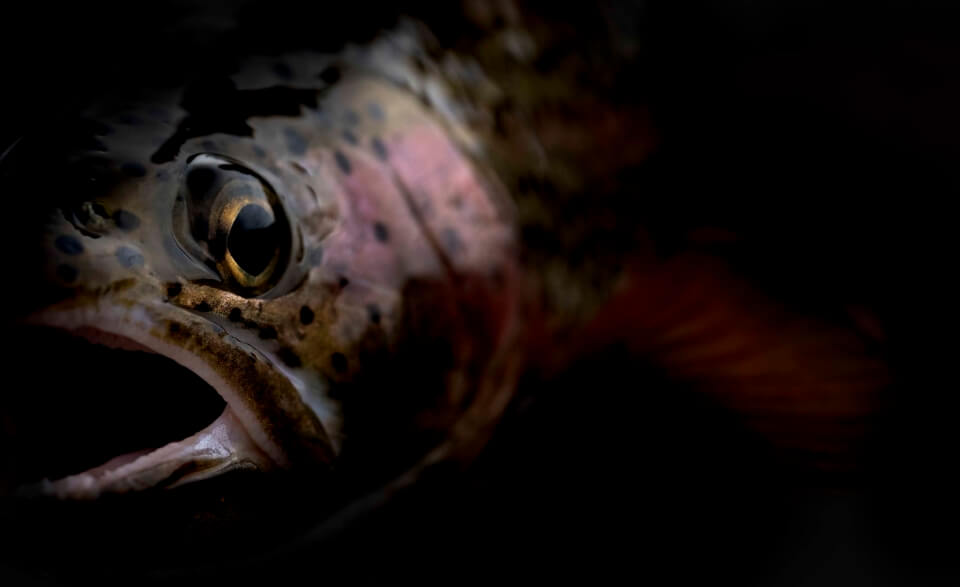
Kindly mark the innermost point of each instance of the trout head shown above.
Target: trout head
(299, 242)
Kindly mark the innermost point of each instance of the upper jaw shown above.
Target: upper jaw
(265, 424)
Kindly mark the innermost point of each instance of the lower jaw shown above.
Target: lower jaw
(221, 447)
(89, 420)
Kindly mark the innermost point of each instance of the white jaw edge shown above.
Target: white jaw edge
(220, 447)
(233, 441)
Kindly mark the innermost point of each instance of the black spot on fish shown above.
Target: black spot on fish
(68, 245)
(330, 74)
(349, 137)
(339, 362)
(451, 239)
(342, 162)
(200, 180)
(296, 144)
(66, 273)
(373, 312)
(174, 328)
(306, 315)
(259, 152)
(289, 358)
(379, 149)
(202, 307)
(351, 117)
(375, 111)
(251, 324)
(235, 315)
(126, 220)
(316, 255)
(268, 333)
(129, 257)
(282, 70)
(344, 282)
(381, 232)
(173, 290)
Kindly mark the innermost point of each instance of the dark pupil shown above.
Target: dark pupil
(253, 239)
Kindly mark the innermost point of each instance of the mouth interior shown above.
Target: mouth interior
(77, 405)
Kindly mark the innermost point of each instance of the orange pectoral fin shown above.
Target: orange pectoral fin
(806, 384)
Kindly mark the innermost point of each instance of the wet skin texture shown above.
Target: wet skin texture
(317, 244)
(711, 492)
(289, 248)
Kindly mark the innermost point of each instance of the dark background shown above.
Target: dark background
(825, 134)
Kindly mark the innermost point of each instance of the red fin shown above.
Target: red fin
(806, 384)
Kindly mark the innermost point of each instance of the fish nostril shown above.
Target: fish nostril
(92, 219)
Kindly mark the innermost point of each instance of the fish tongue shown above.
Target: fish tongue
(222, 446)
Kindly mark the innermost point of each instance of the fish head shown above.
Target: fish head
(310, 238)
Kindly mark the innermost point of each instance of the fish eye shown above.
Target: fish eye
(252, 241)
(231, 219)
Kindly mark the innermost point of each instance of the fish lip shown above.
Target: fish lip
(116, 324)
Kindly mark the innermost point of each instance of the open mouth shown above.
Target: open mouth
(96, 412)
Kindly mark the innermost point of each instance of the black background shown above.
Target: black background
(825, 133)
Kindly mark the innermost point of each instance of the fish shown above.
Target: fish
(288, 230)
(371, 256)
(270, 232)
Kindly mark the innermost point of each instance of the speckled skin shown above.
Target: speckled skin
(404, 277)
(391, 221)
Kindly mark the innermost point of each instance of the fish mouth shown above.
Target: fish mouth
(116, 405)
